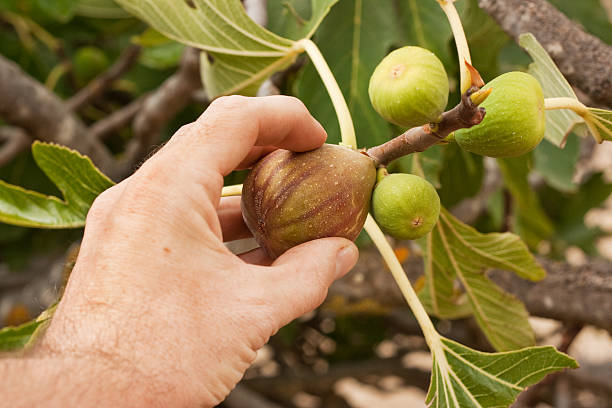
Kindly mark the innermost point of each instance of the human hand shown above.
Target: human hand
(155, 294)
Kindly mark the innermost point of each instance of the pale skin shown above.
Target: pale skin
(157, 311)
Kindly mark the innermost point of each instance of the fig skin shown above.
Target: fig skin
(515, 121)
(405, 206)
(290, 198)
(409, 87)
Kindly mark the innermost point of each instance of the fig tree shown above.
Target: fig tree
(409, 87)
(515, 119)
(289, 198)
(405, 206)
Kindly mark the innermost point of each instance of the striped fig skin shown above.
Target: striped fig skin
(290, 198)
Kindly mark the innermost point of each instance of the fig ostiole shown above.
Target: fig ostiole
(405, 206)
(515, 121)
(409, 87)
(290, 198)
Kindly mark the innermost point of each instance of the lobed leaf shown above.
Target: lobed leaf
(601, 121)
(224, 74)
(79, 181)
(456, 258)
(530, 220)
(16, 337)
(100, 9)
(558, 166)
(463, 377)
(354, 38)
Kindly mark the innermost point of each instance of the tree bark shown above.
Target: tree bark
(26, 103)
(581, 294)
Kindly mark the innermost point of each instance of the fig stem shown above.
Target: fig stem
(347, 130)
(432, 337)
(463, 50)
(418, 139)
(566, 103)
(234, 190)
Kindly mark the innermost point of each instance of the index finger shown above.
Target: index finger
(226, 132)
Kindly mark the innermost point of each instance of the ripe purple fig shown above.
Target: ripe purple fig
(290, 198)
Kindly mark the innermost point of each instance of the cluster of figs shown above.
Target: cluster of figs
(290, 198)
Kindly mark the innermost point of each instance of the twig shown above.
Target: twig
(101, 129)
(583, 58)
(466, 114)
(26, 103)
(15, 141)
(99, 84)
(161, 106)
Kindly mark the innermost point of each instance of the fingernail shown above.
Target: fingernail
(345, 260)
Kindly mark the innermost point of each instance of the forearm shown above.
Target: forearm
(61, 381)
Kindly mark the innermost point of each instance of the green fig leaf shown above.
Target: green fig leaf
(79, 181)
(462, 175)
(14, 338)
(354, 38)
(425, 25)
(600, 124)
(297, 19)
(560, 122)
(100, 9)
(457, 256)
(224, 74)
(239, 53)
(463, 377)
(558, 166)
(530, 220)
(485, 37)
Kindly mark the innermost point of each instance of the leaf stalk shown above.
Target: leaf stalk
(347, 130)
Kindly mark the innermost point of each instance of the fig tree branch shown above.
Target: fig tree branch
(418, 139)
(26, 103)
(14, 140)
(583, 58)
(161, 105)
(99, 84)
(116, 120)
(569, 293)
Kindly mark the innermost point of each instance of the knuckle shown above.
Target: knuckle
(101, 205)
(228, 103)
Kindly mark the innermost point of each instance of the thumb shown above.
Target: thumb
(303, 274)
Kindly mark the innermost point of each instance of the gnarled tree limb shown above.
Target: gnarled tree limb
(581, 294)
(583, 58)
(14, 140)
(162, 105)
(26, 103)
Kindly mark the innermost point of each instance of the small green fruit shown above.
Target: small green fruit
(515, 119)
(89, 62)
(405, 206)
(290, 198)
(409, 87)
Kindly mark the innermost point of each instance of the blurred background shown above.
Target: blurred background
(85, 74)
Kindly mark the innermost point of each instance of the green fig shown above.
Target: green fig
(88, 63)
(409, 87)
(515, 119)
(405, 206)
(289, 198)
